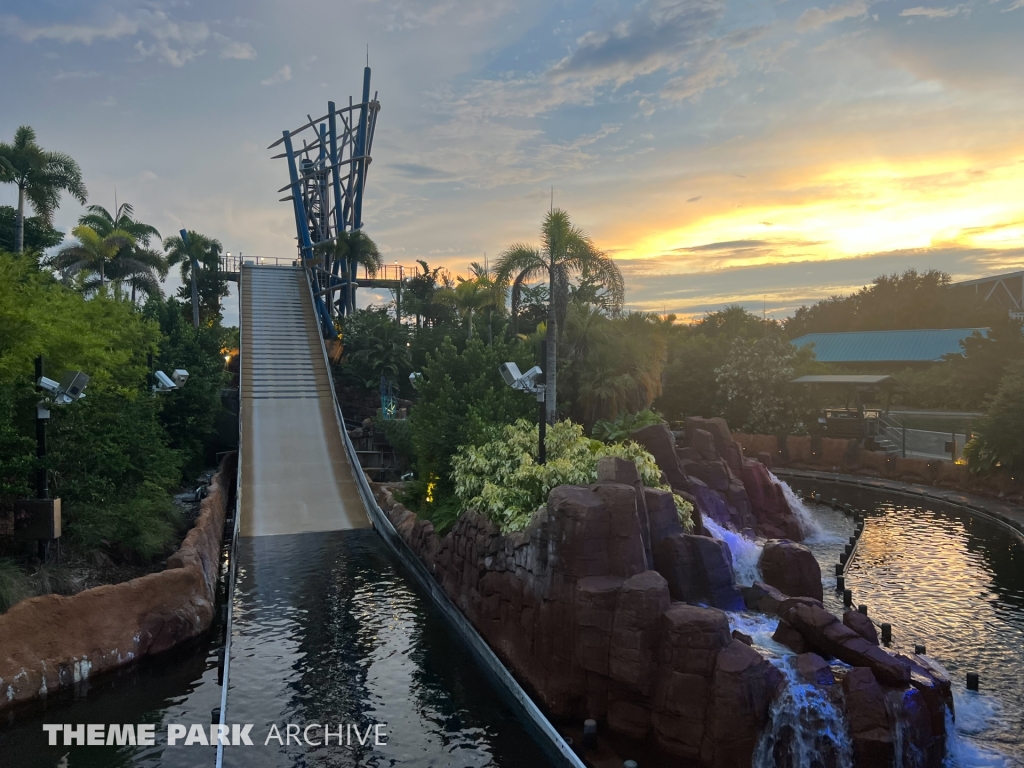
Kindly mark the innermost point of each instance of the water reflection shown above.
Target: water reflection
(328, 630)
(947, 579)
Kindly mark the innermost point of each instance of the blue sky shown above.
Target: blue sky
(751, 151)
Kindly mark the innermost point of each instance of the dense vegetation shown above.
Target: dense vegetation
(116, 456)
(502, 478)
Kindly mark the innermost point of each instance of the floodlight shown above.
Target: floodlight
(510, 373)
(164, 382)
(73, 385)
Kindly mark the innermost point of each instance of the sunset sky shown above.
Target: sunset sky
(760, 152)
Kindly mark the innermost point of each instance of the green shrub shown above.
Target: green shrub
(190, 414)
(999, 441)
(460, 400)
(398, 433)
(13, 584)
(503, 480)
(621, 428)
(137, 530)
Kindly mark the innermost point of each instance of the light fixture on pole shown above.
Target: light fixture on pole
(526, 382)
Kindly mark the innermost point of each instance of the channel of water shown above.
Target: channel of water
(942, 577)
(360, 643)
(341, 635)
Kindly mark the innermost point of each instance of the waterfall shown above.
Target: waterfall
(745, 552)
(806, 729)
(810, 527)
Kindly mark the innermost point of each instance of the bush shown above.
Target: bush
(502, 479)
(137, 530)
(461, 398)
(105, 447)
(625, 425)
(190, 414)
(999, 441)
(14, 585)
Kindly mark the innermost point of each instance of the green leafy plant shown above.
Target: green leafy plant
(137, 529)
(503, 480)
(619, 429)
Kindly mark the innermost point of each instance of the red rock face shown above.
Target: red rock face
(791, 568)
(572, 605)
(867, 714)
(708, 465)
(862, 625)
(51, 642)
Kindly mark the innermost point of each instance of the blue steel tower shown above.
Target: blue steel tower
(327, 176)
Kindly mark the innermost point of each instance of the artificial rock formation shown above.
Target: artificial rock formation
(707, 466)
(574, 605)
(607, 609)
(791, 568)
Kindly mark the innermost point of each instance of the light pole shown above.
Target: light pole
(524, 382)
(43, 514)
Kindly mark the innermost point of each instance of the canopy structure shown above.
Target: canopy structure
(862, 382)
(851, 419)
(927, 345)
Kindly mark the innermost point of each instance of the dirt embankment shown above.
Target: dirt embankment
(51, 642)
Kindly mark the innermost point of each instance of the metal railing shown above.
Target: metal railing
(233, 262)
(395, 272)
(921, 443)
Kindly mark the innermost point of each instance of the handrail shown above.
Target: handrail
(529, 714)
(232, 560)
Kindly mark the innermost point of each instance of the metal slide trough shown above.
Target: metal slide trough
(299, 474)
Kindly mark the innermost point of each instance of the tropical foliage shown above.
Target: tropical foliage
(755, 384)
(115, 456)
(39, 236)
(41, 177)
(619, 429)
(354, 248)
(375, 346)
(566, 251)
(503, 480)
(999, 441)
(202, 252)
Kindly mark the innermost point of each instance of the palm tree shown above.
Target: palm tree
(141, 269)
(493, 291)
(99, 219)
(353, 248)
(41, 176)
(422, 291)
(565, 251)
(137, 266)
(87, 261)
(204, 252)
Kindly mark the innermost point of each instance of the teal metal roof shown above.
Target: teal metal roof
(887, 346)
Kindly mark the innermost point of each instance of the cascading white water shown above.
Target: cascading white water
(806, 729)
(810, 527)
(745, 552)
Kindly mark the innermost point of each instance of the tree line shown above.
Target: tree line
(95, 304)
